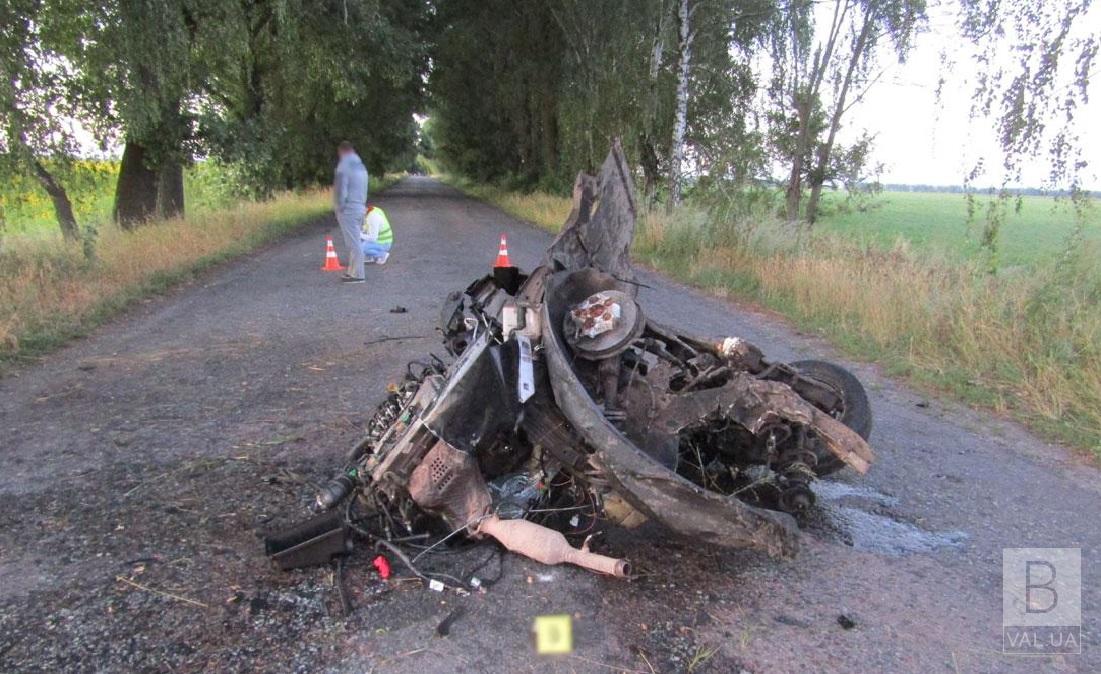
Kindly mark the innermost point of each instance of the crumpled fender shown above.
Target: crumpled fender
(653, 489)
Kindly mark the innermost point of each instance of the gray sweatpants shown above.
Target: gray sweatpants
(351, 224)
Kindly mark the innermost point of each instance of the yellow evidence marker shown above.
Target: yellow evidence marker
(553, 634)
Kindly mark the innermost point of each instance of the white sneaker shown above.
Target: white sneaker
(383, 259)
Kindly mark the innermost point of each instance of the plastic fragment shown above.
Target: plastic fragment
(382, 565)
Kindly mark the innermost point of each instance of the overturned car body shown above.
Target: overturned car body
(566, 406)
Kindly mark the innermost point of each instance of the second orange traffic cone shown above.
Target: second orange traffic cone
(502, 254)
(332, 262)
(506, 276)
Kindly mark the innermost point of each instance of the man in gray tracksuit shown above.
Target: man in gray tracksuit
(350, 206)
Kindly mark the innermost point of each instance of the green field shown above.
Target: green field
(937, 222)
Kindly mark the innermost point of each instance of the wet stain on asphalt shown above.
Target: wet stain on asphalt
(866, 520)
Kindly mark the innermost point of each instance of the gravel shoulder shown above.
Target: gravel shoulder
(140, 465)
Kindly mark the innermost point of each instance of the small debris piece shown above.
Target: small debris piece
(444, 628)
(785, 619)
(553, 634)
(382, 565)
(435, 585)
(399, 310)
(846, 622)
(162, 593)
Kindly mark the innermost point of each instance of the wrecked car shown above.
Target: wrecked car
(566, 407)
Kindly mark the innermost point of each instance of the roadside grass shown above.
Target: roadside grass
(49, 293)
(1026, 342)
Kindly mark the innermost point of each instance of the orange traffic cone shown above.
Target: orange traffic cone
(506, 276)
(502, 254)
(332, 262)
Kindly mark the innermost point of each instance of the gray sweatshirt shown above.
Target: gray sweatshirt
(350, 184)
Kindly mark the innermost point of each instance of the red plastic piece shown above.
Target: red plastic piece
(383, 566)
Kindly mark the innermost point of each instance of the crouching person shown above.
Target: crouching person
(378, 237)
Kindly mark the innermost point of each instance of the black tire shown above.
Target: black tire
(857, 414)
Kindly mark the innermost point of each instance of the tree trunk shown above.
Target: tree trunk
(136, 190)
(648, 159)
(812, 201)
(795, 189)
(826, 149)
(805, 102)
(170, 191)
(63, 208)
(550, 134)
(680, 123)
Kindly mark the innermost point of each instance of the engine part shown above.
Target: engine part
(514, 495)
(525, 376)
(313, 542)
(333, 493)
(478, 405)
(653, 489)
(449, 484)
(620, 512)
(548, 546)
(603, 325)
(758, 404)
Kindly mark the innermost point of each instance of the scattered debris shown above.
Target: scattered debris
(444, 628)
(162, 593)
(383, 566)
(397, 338)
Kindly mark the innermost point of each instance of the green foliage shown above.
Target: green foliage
(535, 92)
(305, 76)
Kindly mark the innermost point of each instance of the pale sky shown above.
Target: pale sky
(922, 141)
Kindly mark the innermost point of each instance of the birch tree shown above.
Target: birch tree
(685, 36)
(821, 72)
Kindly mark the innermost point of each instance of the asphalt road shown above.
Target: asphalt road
(138, 466)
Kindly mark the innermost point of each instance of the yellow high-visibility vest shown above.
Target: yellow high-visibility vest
(379, 225)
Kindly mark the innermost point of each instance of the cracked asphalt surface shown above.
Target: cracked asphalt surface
(138, 467)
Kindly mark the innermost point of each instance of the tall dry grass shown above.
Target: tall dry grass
(49, 292)
(1026, 343)
(1023, 343)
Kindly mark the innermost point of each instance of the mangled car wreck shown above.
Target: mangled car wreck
(567, 407)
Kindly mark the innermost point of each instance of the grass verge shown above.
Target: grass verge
(1027, 343)
(49, 293)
